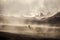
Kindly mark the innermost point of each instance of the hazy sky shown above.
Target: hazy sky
(29, 7)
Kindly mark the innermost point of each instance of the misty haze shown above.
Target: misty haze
(40, 18)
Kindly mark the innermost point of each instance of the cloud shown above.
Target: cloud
(25, 7)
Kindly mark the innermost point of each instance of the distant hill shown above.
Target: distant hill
(54, 19)
(57, 15)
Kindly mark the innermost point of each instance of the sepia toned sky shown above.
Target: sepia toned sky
(29, 7)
